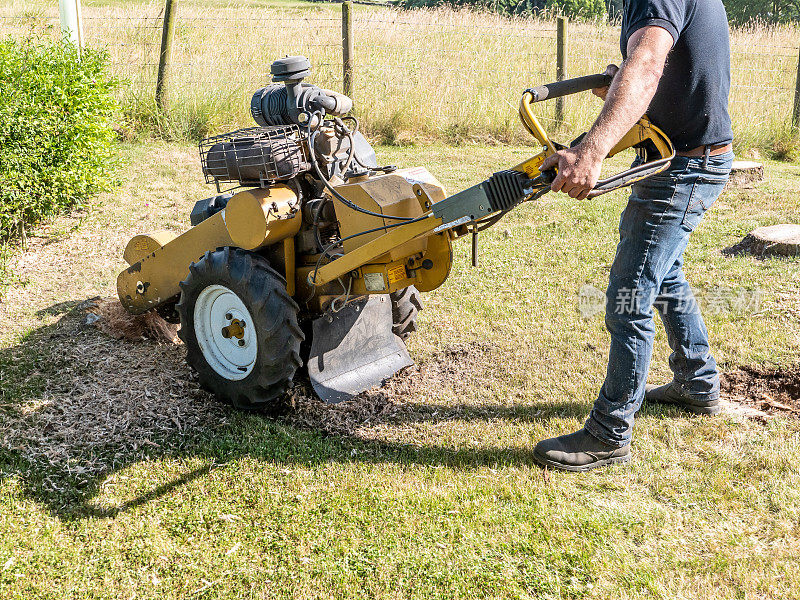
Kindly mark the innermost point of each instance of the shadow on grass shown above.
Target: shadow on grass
(77, 406)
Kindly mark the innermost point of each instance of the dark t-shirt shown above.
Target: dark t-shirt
(691, 103)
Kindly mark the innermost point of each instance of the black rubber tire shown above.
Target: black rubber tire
(406, 304)
(274, 314)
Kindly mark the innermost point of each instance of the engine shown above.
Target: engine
(287, 111)
(304, 139)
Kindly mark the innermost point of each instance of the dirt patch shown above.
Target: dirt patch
(459, 365)
(775, 391)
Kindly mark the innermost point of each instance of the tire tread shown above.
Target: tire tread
(274, 313)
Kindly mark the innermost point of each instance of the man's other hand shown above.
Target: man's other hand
(578, 170)
(601, 92)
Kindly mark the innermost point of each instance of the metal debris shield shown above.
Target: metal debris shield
(354, 349)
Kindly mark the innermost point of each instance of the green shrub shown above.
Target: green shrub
(578, 9)
(575, 9)
(742, 12)
(56, 139)
(504, 7)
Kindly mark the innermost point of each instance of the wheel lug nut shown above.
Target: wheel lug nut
(241, 342)
(228, 316)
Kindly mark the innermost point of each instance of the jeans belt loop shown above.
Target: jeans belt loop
(706, 154)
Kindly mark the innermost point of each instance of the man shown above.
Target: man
(676, 67)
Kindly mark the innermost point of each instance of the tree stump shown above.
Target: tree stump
(774, 240)
(744, 172)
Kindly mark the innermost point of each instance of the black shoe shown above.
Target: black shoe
(579, 451)
(670, 394)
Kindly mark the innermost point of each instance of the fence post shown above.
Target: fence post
(347, 48)
(796, 109)
(561, 64)
(69, 12)
(165, 57)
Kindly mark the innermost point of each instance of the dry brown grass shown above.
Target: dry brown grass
(453, 75)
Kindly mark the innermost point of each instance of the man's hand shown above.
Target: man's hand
(630, 93)
(602, 92)
(578, 170)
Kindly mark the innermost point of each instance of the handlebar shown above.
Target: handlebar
(569, 86)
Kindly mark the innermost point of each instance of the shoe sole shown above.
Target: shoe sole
(606, 462)
(697, 409)
(706, 409)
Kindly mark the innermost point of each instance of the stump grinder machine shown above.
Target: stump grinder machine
(315, 256)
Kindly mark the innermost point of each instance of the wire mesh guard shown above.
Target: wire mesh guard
(254, 156)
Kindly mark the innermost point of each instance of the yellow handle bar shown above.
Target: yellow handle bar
(649, 140)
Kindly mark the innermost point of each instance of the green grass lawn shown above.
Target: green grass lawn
(119, 478)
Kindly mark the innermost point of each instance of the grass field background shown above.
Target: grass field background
(450, 75)
(119, 478)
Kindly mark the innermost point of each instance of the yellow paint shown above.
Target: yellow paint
(531, 123)
(440, 253)
(289, 260)
(392, 194)
(367, 253)
(531, 166)
(154, 279)
(252, 219)
(145, 243)
(261, 217)
(235, 330)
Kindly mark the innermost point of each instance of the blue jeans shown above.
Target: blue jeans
(654, 230)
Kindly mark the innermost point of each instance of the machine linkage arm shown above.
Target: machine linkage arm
(504, 190)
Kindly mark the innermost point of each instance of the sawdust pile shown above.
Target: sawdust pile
(114, 320)
(775, 391)
(456, 365)
(94, 404)
(473, 362)
(349, 418)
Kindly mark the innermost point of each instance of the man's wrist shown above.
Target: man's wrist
(591, 148)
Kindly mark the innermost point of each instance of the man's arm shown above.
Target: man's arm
(627, 100)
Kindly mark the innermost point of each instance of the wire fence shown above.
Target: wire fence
(420, 71)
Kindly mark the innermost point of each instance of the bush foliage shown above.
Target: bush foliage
(741, 12)
(575, 9)
(578, 9)
(56, 140)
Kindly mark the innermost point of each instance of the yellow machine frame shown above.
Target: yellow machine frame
(416, 252)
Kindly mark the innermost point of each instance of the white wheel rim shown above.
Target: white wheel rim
(225, 332)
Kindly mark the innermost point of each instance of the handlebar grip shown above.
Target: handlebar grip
(569, 86)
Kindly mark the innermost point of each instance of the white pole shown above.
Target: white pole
(71, 22)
